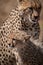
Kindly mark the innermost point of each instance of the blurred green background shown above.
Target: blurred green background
(7, 5)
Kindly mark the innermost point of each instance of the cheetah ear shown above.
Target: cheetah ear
(22, 0)
(19, 1)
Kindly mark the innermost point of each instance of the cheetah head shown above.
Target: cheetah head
(30, 9)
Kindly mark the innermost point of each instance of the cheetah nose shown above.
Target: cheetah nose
(36, 17)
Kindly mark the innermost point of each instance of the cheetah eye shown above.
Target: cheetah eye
(30, 8)
(38, 10)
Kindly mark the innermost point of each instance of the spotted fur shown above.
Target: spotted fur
(12, 33)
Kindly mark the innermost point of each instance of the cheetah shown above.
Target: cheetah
(16, 47)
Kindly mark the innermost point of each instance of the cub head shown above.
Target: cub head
(30, 9)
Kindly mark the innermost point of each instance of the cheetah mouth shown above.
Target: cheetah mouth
(32, 20)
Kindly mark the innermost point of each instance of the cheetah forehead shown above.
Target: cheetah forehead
(23, 4)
